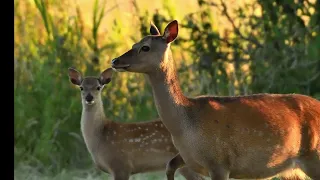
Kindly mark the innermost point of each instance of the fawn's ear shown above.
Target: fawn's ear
(105, 76)
(171, 31)
(153, 29)
(75, 76)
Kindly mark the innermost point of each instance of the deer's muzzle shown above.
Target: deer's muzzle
(117, 65)
(89, 99)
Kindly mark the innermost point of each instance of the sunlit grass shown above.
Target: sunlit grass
(31, 173)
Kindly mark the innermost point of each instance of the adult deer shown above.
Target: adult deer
(254, 136)
(121, 149)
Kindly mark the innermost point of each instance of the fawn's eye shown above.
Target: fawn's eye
(81, 88)
(145, 48)
(98, 88)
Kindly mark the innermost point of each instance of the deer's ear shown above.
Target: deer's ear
(171, 31)
(74, 76)
(105, 76)
(153, 29)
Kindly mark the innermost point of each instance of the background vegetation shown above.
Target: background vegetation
(224, 48)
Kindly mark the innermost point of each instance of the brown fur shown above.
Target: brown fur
(122, 149)
(255, 136)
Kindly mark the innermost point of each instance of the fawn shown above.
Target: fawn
(121, 149)
(253, 136)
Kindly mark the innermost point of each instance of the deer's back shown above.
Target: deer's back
(267, 113)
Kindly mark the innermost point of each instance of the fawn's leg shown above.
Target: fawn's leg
(120, 170)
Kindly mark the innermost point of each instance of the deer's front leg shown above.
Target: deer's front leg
(174, 164)
(121, 175)
(189, 174)
(219, 173)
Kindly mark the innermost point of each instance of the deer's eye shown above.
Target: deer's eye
(145, 48)
(81, 88)
(98, 88)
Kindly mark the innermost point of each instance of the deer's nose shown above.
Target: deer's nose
(89, 98)
(115, 61)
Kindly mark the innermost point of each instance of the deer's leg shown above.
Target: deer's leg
(120, 170)
(121, 175)
(97, 166)
(189, 174)
(311, 165)
(218, 173)
(174, 164)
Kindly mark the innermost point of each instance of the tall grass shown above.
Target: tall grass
(47, 106)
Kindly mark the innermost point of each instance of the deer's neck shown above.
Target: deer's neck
(92, 120)
(170, 101)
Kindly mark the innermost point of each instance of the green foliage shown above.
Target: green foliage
(275, 51)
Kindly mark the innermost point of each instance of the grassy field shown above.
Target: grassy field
(31, 173)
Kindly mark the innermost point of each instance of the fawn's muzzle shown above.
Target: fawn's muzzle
(89, 99)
